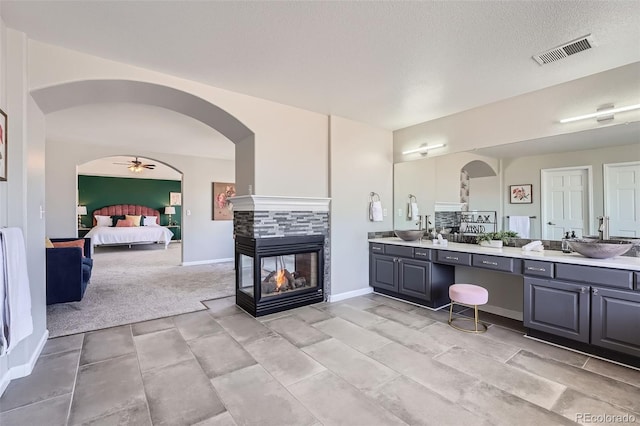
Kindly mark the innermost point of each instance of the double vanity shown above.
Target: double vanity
(588, 304)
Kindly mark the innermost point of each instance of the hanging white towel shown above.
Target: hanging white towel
(18, 323)
(521, 225)
(375, 211)
(412, 211)
(3, 302)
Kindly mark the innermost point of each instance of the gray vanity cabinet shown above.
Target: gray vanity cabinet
(383, 272)
(557, 307)
(414, 278)
(615, 320)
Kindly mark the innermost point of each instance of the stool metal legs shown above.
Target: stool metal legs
(475, 320)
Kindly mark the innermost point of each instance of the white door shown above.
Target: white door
(622, 198)
(566, 204)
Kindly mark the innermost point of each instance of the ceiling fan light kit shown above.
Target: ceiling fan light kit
(137, 166)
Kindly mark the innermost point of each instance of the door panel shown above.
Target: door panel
(565, 194)
(415, 278)
(622, 198)
(383, 272)
(615, 319)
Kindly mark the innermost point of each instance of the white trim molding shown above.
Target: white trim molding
(244, 203)
(349, 294)
(23, 370)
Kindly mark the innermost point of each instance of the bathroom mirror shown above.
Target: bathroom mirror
(570, 158)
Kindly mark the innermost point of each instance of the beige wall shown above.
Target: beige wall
(361, 163)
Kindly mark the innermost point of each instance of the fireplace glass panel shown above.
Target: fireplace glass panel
(246, 274)
(288, 273)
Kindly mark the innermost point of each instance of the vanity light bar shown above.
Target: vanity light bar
(602, 113)
(423, 148)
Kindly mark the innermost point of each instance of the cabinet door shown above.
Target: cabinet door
(557, 307)
(414, 278)
(615, 317)
(383, 272)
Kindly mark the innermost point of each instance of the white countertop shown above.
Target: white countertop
(619, 262)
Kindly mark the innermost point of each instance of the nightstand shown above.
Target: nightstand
(82, 232)
(176, 232)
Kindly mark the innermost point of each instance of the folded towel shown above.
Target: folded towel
(412, 211)
(538, 248)
(532, 245)
(375, 211)
(521, 225)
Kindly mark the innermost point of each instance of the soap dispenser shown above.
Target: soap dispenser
(565, 243)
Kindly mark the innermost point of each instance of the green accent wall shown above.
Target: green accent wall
(98, 191)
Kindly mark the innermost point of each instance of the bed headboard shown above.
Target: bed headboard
(123, 209)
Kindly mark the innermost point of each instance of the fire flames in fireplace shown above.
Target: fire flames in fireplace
(282, 280)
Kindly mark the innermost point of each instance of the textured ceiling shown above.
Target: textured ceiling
(390, 64)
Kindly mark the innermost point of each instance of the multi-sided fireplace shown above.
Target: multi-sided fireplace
(279, 273)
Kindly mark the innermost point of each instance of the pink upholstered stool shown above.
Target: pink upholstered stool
(468, 295)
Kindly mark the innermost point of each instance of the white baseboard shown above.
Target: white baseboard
(207, 262)
(25, 369)
(349, 294)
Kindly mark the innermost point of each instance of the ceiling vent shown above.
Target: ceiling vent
(568, 49)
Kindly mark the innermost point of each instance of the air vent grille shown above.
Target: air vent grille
(568, 49)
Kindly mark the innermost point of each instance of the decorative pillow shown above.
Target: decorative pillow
(48, 243)
(74, 243)
(124, 223)
(116, 218)
(150, 221)
(103, 220)
(134, 219)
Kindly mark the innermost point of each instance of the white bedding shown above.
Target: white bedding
(128, 235)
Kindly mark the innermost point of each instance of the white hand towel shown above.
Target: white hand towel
(521, 225)
(532, 245)
(375, 211)
(538, 248)
(412, 211)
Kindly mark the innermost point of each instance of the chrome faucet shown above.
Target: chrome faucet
(603, 227)
(419, 222)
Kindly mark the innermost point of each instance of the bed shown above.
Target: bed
(111, 235)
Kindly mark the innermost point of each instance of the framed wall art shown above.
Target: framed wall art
(520, 194)
(175, 198)
(222, 207)
(3, 146)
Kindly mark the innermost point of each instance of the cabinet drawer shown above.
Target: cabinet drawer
(637, 281)
(592, 275)
(398, 250)
(454, 257)
(505, 264)
(376, 248)
(540, 269)
(422, 253)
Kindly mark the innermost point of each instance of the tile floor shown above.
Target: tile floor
(370, 360)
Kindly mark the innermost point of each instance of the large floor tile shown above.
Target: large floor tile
(222, 419)
(441, 379)
(409, 319)
(196, 324)
(356, 368)
(63, 344)
(284, 361)
(309, 314)
(545, 350)
(501, 408)
(354, 315)
(389, 301)
(413, 339)
(223, 307)
(50, 412)
(615, 371)
(220, 354)
(449, 336)
(584, 409)
(137, 415)
(166, 347)
(180, 394)
(105, 388)
(335, 402)
(253, 397)
(152, 326)
(530, 387)
(417, 405)
(244, 328)
(53, 375)
(606, 389)
(296, 331)
(360, 302)
(357, 337)
(105, 344)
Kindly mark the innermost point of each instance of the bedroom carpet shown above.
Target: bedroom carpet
(137, 284)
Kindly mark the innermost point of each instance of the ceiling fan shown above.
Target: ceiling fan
(137, 166)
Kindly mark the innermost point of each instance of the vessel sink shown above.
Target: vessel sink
(410, 234)
(600, 249)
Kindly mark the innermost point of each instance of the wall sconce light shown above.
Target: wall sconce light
(169, 211)
(423, 148)
(606, 111)
(81, 211)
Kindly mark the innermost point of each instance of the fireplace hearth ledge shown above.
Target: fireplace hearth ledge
(279, 203)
